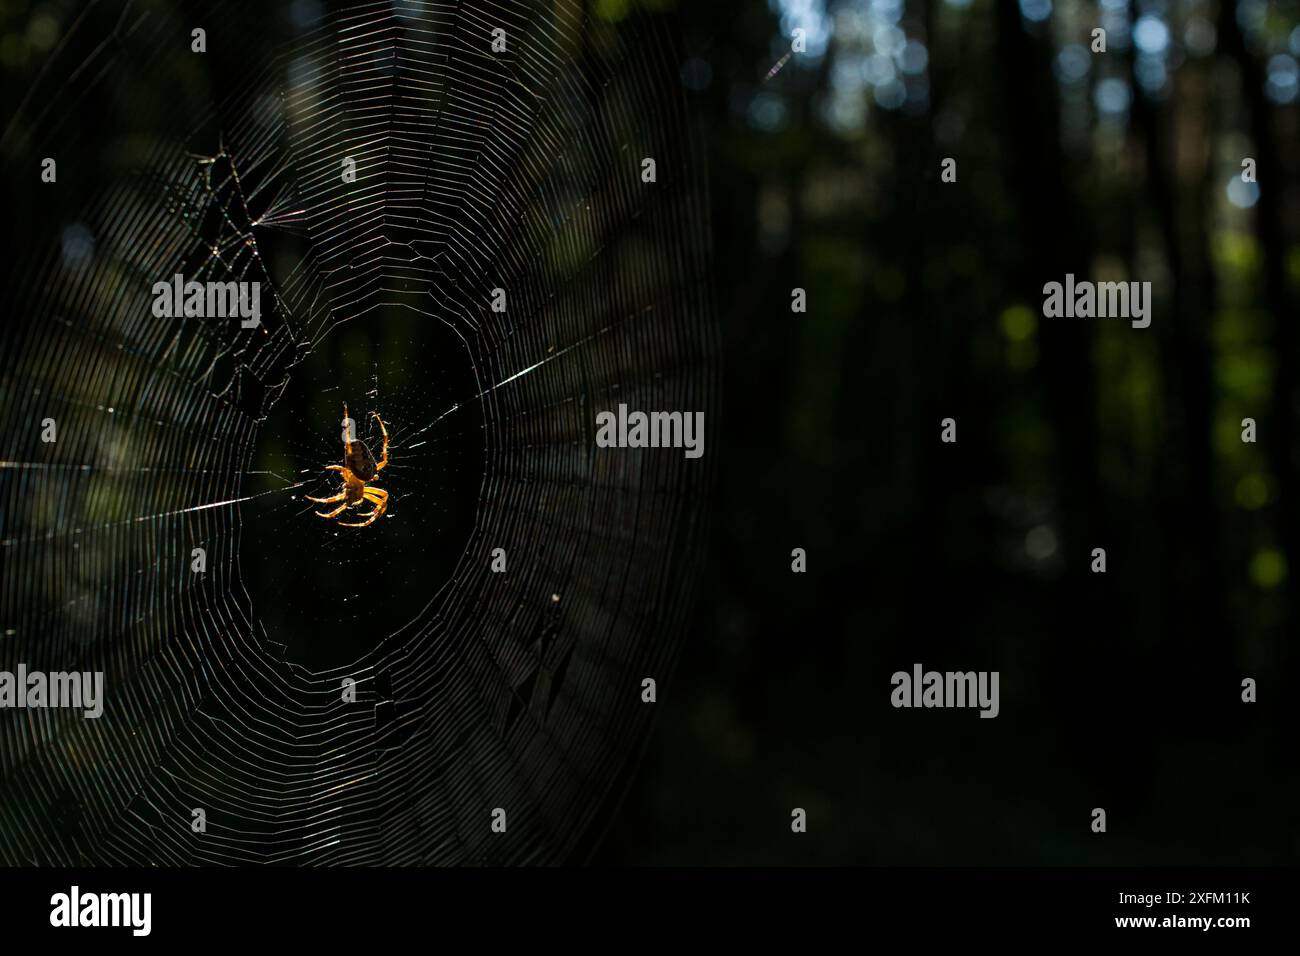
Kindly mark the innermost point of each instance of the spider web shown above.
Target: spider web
(474, 170)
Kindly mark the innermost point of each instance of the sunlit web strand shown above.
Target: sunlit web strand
(506, 381)
(7, 542)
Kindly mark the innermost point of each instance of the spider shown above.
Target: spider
(358, 467)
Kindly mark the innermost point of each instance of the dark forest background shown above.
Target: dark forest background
(1118, 690)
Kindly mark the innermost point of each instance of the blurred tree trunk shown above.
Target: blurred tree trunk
(1054, 237)
(1196, 643)
(1280, 429)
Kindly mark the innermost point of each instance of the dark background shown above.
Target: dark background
(360, 589)
(1119, 690)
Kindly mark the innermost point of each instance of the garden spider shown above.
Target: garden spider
(358, 467)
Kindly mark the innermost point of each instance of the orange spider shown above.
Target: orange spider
(358, 468)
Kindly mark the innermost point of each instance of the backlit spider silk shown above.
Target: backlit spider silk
(164, 537)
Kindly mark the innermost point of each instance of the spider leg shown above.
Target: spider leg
(368, 496)
(326, 501)
(348, 479)
(381, 505)
(359, 524)
(383, 457)
(337, 511)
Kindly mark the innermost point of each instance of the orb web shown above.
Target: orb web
(475, 170)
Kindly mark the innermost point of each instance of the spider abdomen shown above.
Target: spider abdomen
(360, 462)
